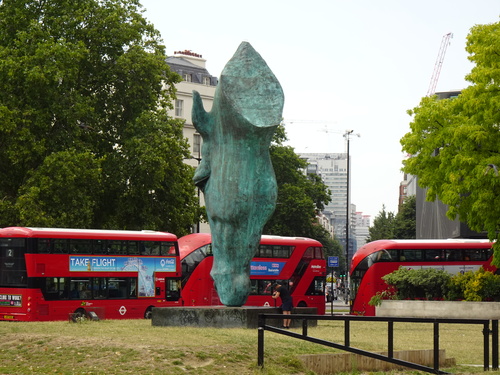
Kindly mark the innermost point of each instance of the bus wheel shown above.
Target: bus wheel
(148, 314)
(79, 315)
(302, 304)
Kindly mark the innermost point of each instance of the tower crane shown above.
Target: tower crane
(445, 42)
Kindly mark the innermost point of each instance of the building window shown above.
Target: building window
(206, 81)
(179, 108)
(187, 77)
(196, 144)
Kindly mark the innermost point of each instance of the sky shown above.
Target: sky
(343, 65)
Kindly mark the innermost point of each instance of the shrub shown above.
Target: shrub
(434, 284)
(425, 283)
(457, 286)
(477, 286)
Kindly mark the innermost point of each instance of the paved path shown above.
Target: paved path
(339, 306)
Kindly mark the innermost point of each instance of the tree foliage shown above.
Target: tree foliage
(402, 225)
(383, 226)
(455, 143)
(300, 197)
(405, 221)
(85, 139)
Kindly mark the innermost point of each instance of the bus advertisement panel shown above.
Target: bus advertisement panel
(55, 274)
(297, 261)
(379, 258)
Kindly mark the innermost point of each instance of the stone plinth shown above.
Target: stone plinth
(222, 316)
(439, 309)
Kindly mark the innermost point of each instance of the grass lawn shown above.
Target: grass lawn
(136, 347)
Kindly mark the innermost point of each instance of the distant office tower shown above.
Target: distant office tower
(332, 167)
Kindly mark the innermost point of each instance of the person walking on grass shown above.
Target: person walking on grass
(281, 291)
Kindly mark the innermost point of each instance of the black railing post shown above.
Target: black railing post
(260, 341)
(304, 327)
(486, 340)
(494, 344)
(260, 349)
(347, 333)
(436, 346)
(390, 339)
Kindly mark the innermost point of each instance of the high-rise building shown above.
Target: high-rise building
(362, 228)
(332, 168)
(191, 67)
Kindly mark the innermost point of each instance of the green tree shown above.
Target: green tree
(383, 226)
(300, 197)
(85, 139)
(455, 143)
(405, 220)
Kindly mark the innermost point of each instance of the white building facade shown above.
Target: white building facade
(191, 67)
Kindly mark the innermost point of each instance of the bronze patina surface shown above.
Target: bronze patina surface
(236, 174)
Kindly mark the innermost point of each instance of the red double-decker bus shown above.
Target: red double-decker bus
(379, 258)
(298, 262)
(55, 274)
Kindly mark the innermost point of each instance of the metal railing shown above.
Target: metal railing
(390, 337)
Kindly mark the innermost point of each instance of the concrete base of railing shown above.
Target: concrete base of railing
(439, 309)
(222, 316)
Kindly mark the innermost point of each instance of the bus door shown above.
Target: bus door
(167, 287)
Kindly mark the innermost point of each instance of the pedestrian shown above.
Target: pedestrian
(281, 291)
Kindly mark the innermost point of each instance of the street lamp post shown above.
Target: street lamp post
(347, 136)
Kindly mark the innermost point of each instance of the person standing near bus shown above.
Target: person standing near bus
(281, 291)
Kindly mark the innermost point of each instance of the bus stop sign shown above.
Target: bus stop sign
(333, 261)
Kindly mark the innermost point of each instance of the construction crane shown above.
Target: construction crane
(445, 42)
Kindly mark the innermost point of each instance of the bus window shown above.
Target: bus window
(265, 287)
(454, 254)
(132, 248)
(116, 248)
(173, 290)
(133, 287)
(12, 263)
(99, 288)
(99, 247)
(74, 292)
(151, 248)
(434, 255)
(477, 254)
(117, 288)
(390, 255)
(44, 245)
(318, 254)
(168, 248)
(261, 287)
(78, 246)
(253, 287)
(282, 251)
(265, 251)
(317, 287)
(50, 288)
(309, 253)
(411, 255)
(60, 246)
(207, 249)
